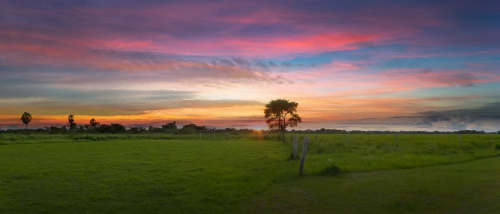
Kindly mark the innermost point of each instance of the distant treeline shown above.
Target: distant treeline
(170, 128)
(193, 128)
(342, 131)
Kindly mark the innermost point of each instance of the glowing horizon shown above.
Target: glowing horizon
(399, 65)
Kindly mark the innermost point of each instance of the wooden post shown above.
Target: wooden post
(396, 139)
(315, 139)
(303, 158)
(294, 153)
(200, 135)
(214, 135)
(460, 139)
(347, 138)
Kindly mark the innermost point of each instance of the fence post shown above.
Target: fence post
(303, 158)
(294, 153)
(396, 140)
(214, 135)
(200, 135)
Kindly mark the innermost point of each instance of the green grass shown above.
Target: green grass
(358, 153)
(138, 176)
(31, 138)
(470, 187)
(61, 174)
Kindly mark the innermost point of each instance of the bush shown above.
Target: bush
(331, 169)
(497, 146)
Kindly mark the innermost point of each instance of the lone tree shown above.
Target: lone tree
(26, 118)
(280, 114)
(71, 121)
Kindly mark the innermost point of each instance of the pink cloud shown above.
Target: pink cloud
(167, 22)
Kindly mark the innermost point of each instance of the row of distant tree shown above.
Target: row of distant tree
(193, 128)
(96, 127)
(342, 131)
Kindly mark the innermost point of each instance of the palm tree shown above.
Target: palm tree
(26, 118)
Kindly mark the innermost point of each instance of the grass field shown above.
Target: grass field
(157, 174)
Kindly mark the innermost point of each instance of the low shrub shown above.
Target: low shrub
(331, 169)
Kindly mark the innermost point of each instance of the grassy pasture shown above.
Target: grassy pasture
(241, 174)
(360, 152)
(9, 138)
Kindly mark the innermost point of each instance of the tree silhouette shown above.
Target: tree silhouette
(172, 126)
(281, 114)
(94, 124)
(26, 118)
(71, 120)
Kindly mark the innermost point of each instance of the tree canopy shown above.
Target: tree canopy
(171, 126)
(94, 124)
(281, 114)
(26, 118)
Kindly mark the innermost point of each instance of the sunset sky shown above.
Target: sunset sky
(355, 65)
